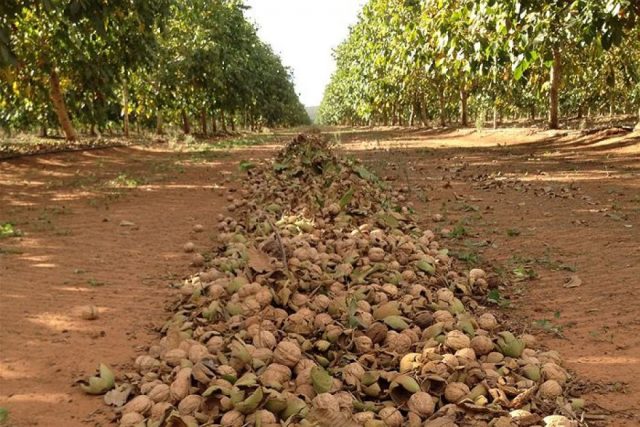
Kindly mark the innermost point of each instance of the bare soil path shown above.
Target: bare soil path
(103, 228)
(539, 209)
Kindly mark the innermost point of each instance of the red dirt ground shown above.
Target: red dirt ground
(548, 204)
(539, 202)
(75, 252)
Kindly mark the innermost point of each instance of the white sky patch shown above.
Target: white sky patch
(304, 34)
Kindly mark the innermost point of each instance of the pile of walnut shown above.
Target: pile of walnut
(324, 304)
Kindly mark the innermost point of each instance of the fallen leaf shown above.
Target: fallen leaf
(258, 260)
(118, 396)
(573, 282)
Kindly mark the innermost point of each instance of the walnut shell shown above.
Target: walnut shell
(391, 417)
(131, 419)
(232, 419)
(174, 357)
(363, 344)
(190, 404)
(455, 392)
(352, 373)
(275, 374)
(287, 353)
(550, 389)
(376, 254)
(197, 352)
(261, 417)
(140, 404)
(160, 393)
(422, 404)
(487, 321)
(482, 345)
(398, 343)
(215, 344)
(159, 410)
(265, 339)
(326, 401)
(89, 312)
(457, 340)
(180, 387)
(552, 371)
(146, 363)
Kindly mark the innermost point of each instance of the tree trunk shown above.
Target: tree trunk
(232, 122)
(533, 111)
(214, 125)
(556, 78)
(423, 113)
(412, 115)
(185, 123)
(92, 130)
(60, 107)
(223, 122)
(203, 121)
(159, 123)
(43, 131)
(464, 118)
(495, 116)
(125, 107)
(443, 119)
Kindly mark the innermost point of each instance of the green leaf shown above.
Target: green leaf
(321, 380)
(279, 167)
(397, 323)
(365, 174)
(388, 220)
(346, 199)
(246, 165)
(425, 266)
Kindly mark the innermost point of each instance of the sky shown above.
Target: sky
(304, 33)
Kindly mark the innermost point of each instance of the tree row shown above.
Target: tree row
(113, 64)
(409, 61)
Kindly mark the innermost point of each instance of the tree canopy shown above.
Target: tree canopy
(92, 64)
(409, 60)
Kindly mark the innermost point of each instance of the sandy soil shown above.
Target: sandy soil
(535, 208)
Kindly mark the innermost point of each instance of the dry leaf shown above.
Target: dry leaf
(259, 261)
(573, 282)
(118, 396)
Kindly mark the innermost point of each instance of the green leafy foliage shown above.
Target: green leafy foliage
(407, 61)
(155, 62)
(8, 230)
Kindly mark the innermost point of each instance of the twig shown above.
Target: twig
(279, 239)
